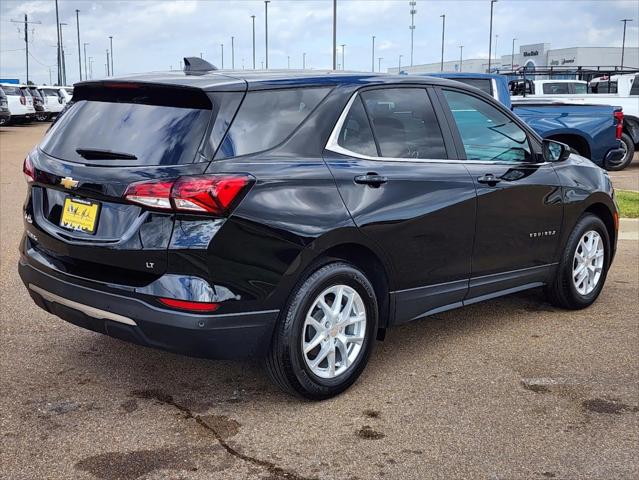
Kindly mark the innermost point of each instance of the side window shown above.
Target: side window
(487, 133)
(581, 88)
(404, 123)
(267, 117)
(356, 134)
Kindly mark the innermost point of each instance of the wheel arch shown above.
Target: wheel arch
(574, 140)
(607, 216)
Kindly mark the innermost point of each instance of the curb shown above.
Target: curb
(629, 229)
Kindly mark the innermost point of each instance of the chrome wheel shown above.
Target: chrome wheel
(588, 262)
(334, 331)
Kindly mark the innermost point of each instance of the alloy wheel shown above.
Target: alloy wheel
(334, 331)
(588, 262)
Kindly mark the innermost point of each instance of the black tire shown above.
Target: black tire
(285, 362)
(629, 146)
(561, 291)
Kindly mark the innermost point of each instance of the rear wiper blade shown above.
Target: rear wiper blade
(96, 154)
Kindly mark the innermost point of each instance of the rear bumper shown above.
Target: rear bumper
(130, 319)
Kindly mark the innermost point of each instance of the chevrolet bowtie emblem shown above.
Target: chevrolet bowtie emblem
(68, 182)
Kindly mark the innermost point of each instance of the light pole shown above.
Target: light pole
(91, 67)
(266, 2)
(57, 23)
(623, 43)
(111, 44)
(441, 69)
(461, 56)
(343, 47)
(334, 34)
(77, 22)
(222, 49)
(373, 55)
(63, 62)
(232, 53)
(490, 34)
(379, 63)
(288, 62)
(512, 57)
(253, 18)
(84, 45)
(399, 65)
(108, 64)
(413, 11)
(304, 61)
(496, 38)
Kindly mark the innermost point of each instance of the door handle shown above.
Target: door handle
(371, 179)
(489, 179)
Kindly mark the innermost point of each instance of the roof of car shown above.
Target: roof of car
(257, 79)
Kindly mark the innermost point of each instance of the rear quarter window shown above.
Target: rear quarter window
(268, 117)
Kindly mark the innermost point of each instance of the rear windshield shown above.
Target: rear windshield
(134, 133)
(25, 91)
(50, 92)
(484, 84)
(9, 90)
(558, 88)
(634, 90)
(267, 117)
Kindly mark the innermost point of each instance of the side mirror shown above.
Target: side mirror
(555, 151)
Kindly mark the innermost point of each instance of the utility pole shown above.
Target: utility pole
(62, 57)
(334, 34)
(111, 42)
(77, 23)
(461, 56)
(57, 24)
(253, 18)
(399, 65)
(26, 39)
(443, 32)
(222, 47)
(373, 55)
(266, 2)
(304, 61)
(232, 53)
(413, 11)
(379, 63)
(86, 77)
(623, 43)
(108, 64)
(512, 57)
(343, 47)
(490, 34)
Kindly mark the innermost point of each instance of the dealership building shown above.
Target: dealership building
(535, 56)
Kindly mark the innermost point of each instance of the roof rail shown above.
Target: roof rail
(197, 66)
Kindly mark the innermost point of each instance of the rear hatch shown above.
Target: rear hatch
(114, 135)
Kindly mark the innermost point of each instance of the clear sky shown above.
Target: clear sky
(151, 35)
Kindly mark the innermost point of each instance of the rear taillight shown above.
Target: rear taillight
(28, 170)
(189, 306)
(619, 118)
(209, 194)
(23, 100)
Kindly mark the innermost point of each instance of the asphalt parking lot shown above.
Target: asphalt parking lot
(511, 389)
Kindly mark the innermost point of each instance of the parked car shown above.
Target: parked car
(5, 114)
(20, 104)
(618, 90)
(53, 97)
(297, 216)
(41, 111)
(592, 131)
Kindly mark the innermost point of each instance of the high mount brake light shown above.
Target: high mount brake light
(28, 170)
(619, 118)
(210, 194)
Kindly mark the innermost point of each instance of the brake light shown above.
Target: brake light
(211, 194)
(28, 170)
(619, 118)
(189, 306)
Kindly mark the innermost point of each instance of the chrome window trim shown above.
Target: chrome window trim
(332, 145)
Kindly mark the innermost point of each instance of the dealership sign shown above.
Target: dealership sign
(532, 53)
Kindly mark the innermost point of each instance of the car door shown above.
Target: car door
(389, 157)
(519, 206)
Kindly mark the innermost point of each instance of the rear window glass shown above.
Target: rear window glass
(634, 90)
(556, 88)
(11, 90)
(267, 117)
(50, 92)
(25, 91)
(581, 88)
(484, 84)
(153, 134)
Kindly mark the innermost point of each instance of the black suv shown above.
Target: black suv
(297, 216)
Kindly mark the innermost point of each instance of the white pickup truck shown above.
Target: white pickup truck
(617, 90)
